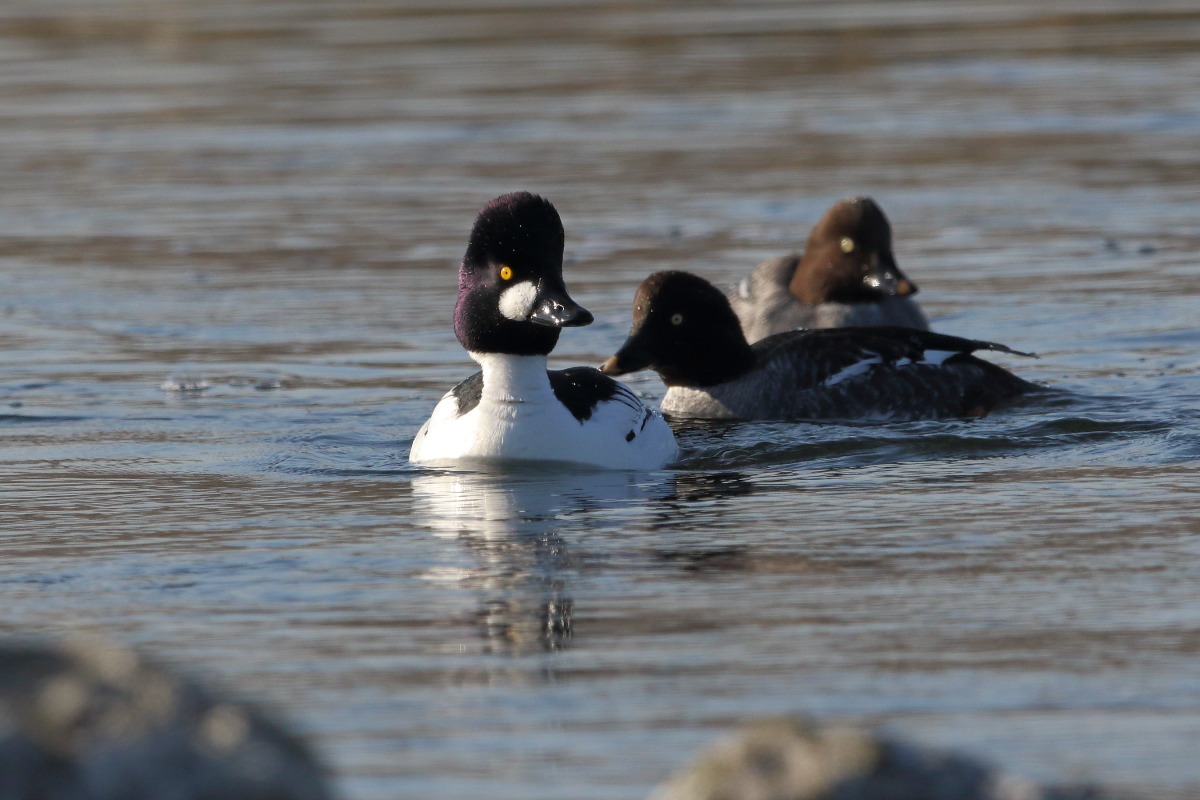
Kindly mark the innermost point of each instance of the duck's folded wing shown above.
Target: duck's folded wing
(583, 389)
(811, 359)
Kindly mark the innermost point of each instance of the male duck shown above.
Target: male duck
(847, 277)
(512, 303)
(684, 329)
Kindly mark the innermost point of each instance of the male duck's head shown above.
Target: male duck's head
(684, 329)
(849, 258)
(511, 295)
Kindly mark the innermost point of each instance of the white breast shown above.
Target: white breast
(684, 401)
(518, 418)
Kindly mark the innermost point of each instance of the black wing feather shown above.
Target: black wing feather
(581, 389)
(814, 356)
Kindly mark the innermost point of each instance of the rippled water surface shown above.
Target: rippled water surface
(265, 202)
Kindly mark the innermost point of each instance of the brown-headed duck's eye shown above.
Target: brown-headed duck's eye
(677, 319)
(847, 244)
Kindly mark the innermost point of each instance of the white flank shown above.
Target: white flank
(516, 302)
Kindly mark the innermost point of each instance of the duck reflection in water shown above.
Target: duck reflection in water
(525, 534)
(510, 525)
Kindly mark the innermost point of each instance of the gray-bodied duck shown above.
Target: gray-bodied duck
(846, 277)
(686, 331)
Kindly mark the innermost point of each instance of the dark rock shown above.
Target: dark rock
(790, 759)
(90, 721)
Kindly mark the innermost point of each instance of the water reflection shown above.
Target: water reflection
(525, 538)
(518, 530)
(694, 487)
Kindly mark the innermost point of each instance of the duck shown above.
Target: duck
(512, 305)
(846, 277)
(685, 329)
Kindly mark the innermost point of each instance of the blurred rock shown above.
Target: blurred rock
(90, 721)
(790, 759)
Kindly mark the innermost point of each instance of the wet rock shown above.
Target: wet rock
(790, 759)
(90, 721)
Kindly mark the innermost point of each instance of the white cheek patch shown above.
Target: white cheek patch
(516, 302)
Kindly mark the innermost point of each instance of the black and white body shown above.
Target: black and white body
(684, 329)
(847, 277)
(512, 304)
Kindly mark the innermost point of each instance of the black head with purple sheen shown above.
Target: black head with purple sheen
(511, 295)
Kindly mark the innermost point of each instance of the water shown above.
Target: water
(265, 202)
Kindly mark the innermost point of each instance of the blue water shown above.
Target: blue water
(228, 240)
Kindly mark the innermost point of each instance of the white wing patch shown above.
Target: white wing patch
(932, 357)
(855, 369)
(938, 356)
(516, 302)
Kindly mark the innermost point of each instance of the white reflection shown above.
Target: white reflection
(525, 503)
(518, 531)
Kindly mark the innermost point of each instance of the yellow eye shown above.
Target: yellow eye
(677, 319)
(506, 272)
(847, 245)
